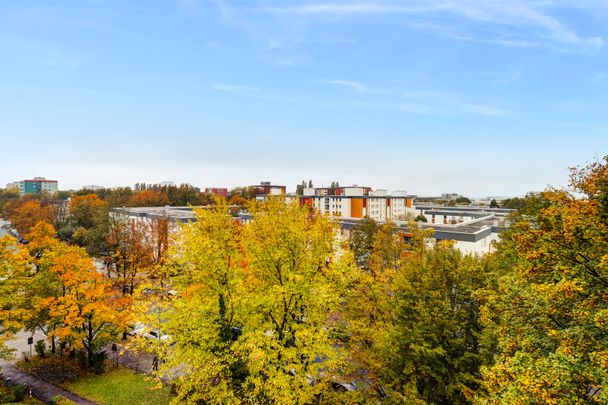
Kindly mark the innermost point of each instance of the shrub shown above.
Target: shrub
(98, 362)
(40, 348)
(16, 394)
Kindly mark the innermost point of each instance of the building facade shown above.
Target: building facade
(219, 191)
(360, 202)
(265, 189)
(37, 185)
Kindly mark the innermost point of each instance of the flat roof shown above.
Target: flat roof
(469, 231)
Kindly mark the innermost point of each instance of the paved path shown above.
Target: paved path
(41, 389)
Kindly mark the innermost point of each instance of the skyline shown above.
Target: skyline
(475, 97)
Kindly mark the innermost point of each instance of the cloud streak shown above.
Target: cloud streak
(532, 16)
(349, 84)
(418, 102)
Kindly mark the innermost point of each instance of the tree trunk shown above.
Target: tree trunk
(89, 344)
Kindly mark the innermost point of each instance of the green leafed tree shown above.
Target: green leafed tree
(434, 348)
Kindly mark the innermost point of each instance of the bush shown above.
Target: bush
(16, 394)
(98, 362)
(40, 348)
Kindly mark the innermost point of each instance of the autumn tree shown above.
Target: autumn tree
(90, 219)
(87, 313)
(244, 194)
(252, 321)
(130, 250)
(371, 302)
(7, 195)
(41, 283)
(160, 232)
(362, 240)
(547, 312)
(236, 199)
(149, 198)
(14, 271)
(120, 197)
(182, 195)
(25, 213)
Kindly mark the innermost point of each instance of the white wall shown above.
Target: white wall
(482, 246)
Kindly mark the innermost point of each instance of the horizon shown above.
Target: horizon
(289, 191)
(477, 98)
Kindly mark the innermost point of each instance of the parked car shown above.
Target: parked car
(139, 329)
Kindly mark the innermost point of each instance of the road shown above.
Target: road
(2, 231)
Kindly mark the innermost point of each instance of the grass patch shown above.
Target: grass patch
(120, 386)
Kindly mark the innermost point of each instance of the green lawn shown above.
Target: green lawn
(118, 387)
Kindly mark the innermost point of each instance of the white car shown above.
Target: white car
(141, 330)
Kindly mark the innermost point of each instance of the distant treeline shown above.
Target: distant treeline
(142, 195)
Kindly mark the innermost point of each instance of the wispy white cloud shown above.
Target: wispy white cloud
(486, 110)
(498, 41)
(368, 97)
(530, 21)
(446, 103)
(350, 84)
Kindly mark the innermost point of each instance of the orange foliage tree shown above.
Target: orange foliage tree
(149, 198)
(85, 208)
(87, 312)
(130, 251)
(24, 214)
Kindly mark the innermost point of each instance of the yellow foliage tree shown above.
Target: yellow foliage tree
(254, 318)
(14, 270)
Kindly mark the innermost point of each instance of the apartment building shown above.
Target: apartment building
(265, 189)
(219, 191)
(359, 202)
(37, 185)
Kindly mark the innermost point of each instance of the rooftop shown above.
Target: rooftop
(468, 231)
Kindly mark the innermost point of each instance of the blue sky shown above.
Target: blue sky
(479, 97)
